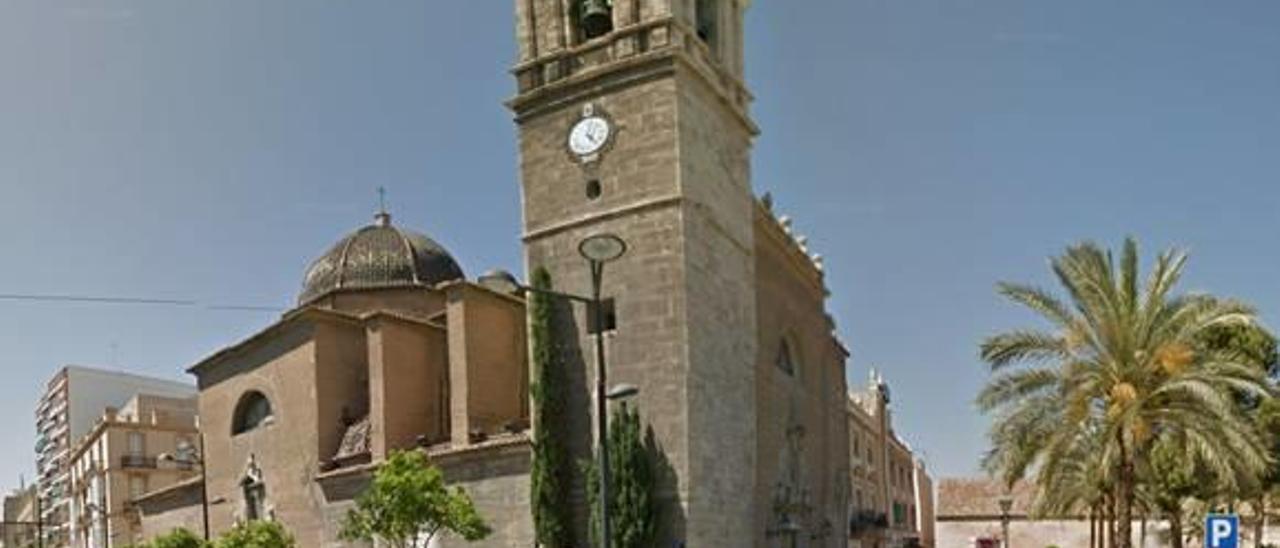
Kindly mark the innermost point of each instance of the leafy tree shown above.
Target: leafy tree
(256, 534)
(1253, 344)
(550, 477)
(1171, 479)
(177, 538)
(408, 502)
(1267, 419)
(1120, 367)
(633, 508)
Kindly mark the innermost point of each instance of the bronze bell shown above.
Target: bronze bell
(596, 18)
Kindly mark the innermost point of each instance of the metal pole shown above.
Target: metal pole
(204, 487)
(1004, 525)
(602, 419)
(39, 517)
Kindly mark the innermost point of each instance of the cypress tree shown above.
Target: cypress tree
(550, 479)
(633, 508)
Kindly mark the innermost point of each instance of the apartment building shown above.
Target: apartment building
(121, 459)
(72, 403)
(891, 503)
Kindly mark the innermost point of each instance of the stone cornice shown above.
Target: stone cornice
(307, 313)
(582, 220)
(797, 259)
(151, 496)
(443, 454)
(388, 315)
(472, 286)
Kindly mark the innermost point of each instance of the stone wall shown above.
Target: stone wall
(408, 376)
(175, 508)
(488, 366)
(1038, 534)
(494, 474)
(790, 296)
(638, 202)
(720, 278)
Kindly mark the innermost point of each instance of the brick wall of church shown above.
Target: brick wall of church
(286, 449)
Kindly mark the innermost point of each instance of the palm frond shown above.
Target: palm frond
(1024, 346)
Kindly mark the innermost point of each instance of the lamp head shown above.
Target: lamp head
(602, 248)
(620, 391)
(1006, 503)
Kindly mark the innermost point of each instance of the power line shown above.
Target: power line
(144, 301)
(88, 299)
(247, 308)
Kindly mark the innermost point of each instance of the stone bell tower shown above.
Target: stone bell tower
(633, 119)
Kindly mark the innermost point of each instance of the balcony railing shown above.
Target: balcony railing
(137, 461)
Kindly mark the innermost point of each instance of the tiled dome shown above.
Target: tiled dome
(376, 256)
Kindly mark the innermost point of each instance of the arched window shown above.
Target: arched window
(253, 411)
(592, 18)
(786, 360)
(707, 19)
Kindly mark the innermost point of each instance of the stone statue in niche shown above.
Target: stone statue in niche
(791, 500)
(255, 491)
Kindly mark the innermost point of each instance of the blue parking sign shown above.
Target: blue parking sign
(1222, 531)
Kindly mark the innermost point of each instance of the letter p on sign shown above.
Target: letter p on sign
(1222, 531)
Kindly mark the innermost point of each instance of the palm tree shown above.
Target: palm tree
(1117, 368)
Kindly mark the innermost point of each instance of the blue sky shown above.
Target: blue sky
(209, 150)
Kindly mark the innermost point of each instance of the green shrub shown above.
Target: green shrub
(256, 534)
(177, 538)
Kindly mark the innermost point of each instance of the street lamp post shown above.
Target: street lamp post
(1006, 504)
(197, 460)
(39, 516)
(597, 250)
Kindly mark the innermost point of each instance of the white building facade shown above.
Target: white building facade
(74, 400)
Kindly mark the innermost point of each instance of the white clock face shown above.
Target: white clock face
(589, 135)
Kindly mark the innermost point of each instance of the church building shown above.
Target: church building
(633, 119)
(390, 347)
